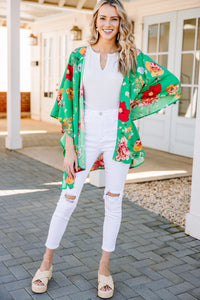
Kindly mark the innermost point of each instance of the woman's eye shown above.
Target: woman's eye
(101, 18)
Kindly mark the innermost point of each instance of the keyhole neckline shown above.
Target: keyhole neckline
(107, 60)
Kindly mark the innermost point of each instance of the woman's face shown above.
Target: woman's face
(107, 22)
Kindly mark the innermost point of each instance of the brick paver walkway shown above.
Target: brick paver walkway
(154, 259)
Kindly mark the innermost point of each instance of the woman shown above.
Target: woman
(106, 86)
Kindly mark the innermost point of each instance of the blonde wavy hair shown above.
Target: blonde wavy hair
(125, 40)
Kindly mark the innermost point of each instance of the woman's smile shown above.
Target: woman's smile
(108, 31)
(108, 22)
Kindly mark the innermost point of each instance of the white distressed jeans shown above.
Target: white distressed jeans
(100, 137)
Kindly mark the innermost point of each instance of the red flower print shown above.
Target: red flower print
(59, 96)
(70, 180)
(144, 102)
(83, 51)
(152, 92)
(123, 152)
(79, 127)
(81, 90)
(70, 93)
(67, 123)
(123, 112)
(81, 123)
(138, 145)
(98, 163)
(154, 69)
(69, 73)
(62, 130)
(148, 97)
(172, 89)
(135, 103)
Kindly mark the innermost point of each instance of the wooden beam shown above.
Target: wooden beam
(40, 1)
(56, 7)
(25, 25)
(21, 20)
(80, 4)
(61, 3)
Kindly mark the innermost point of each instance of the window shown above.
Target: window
(158, 41)
(48, 71)
(190, 57)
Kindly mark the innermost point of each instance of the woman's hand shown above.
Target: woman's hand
(70, 160)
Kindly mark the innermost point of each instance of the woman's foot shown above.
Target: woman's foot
(45, 266)
(104, 270)
(40, 280)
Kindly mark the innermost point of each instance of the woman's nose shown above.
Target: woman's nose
(108, 22)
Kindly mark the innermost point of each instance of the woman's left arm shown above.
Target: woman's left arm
(159, 88)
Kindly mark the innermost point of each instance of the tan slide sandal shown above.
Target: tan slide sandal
(103, 281)
(44, 277)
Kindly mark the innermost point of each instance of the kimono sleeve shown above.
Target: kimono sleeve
(63, 107)
(160, 88)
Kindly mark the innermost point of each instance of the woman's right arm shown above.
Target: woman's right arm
(63, 111)
(63, 107)
(70, 159)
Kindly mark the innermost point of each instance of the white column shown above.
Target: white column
(193, 217)
(13, 140)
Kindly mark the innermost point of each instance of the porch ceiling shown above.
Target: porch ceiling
(31, 10)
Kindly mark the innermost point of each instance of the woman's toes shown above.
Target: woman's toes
(106, 288)
(38, 282)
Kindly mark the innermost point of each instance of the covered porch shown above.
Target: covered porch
(14, 137)
(41, 142)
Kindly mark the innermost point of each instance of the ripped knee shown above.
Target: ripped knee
(70, 198)
(112, 194)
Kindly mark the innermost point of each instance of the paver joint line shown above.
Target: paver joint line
(153, 259)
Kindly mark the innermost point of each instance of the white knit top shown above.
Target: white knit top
(101, 86)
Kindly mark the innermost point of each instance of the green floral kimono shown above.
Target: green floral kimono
(143, 93)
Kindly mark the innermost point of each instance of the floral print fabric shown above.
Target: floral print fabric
(148, 90)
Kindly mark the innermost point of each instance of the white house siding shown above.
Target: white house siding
(177, 134)
(141, 8)
(64, 22)
(137, 11)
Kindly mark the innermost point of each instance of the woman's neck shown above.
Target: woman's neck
(105, 46)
